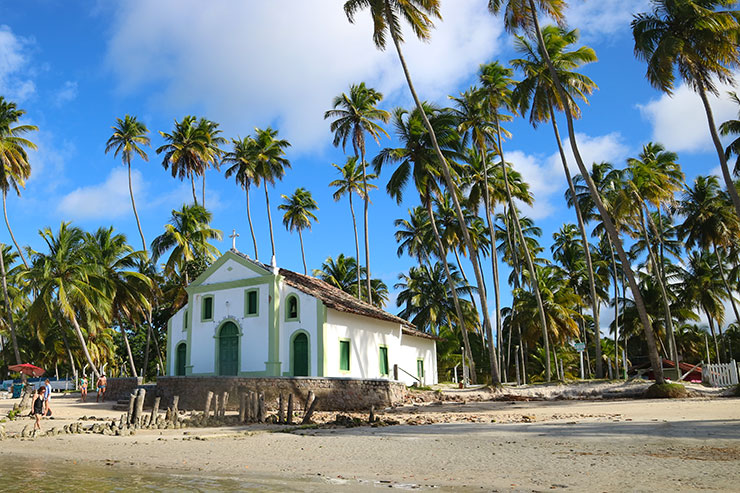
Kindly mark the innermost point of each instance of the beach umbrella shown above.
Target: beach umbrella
(27, 369)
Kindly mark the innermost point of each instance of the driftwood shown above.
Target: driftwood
(309, 411)
(131, 404)
(289, 419)
(261, 408)
(281, 415)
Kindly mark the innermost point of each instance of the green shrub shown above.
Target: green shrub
(13, 413)
(666, 391)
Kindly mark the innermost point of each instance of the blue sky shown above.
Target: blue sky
(76, 66)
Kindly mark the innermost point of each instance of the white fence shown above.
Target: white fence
(723, 375)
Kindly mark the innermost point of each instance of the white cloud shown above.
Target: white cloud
(13, 60)
(597, 18)
(67, 93)
(545, 173)
(252, 64)
(107, 200)
(679, 121)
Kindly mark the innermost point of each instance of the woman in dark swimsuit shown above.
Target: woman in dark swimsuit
(38, 407)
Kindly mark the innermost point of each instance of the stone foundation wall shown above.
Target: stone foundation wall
(120, 388)
(334, 394)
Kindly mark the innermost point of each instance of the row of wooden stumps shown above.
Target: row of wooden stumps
(136, 418)
(252, 408)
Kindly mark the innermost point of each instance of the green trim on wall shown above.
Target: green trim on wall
(320, 338)
(203, 308)
(349, 354)
(185, 321)
(272, 365)
(292, 356)
(246, 302)
(297, 318)
(216, 335)
(229, 255)
(189, 360)
(220, 286)
(167, 356)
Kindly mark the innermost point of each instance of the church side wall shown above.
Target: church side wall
(175, 335)
(307, 322)
(413, 349)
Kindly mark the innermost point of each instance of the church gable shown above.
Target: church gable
(229, 268)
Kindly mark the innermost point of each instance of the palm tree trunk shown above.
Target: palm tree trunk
(453, 289)
(719, 253)
(303, 254)
(8, 311)
(144, 371)
(357, 245)
(616, 309)
(714, 337)
(655, 361)
(192, 185)
(133, 204)
(83, 344)
(251, 228)
(156, 342)
(128, 351)
(203, 193)
(496, 380)
(527, 256)
(584, 239)
(269, 220)
(465, 279)
(367, 232)
(69, 354)
(12, 236)
(718, 146)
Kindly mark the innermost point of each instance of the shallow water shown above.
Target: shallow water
(27, 475)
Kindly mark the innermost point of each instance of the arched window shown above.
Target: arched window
(180, 358)
(292, 308)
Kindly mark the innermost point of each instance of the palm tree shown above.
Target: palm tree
(185, 150)
(537, 94)
(386, 15)
(242, 159)
(298, 215)
(270, 167)
(63, 279)
(14, 166)
(212, 152)
(414, 235)
(128, 134)
(524, 15)
(354, 180)
(8, 258)
(417, 161)
(127, 289)
(342, 272)
(355, 115)
(698, 39)
(187, 234)
(732, 127)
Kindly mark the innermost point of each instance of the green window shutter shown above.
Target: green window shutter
(207, 313)
(383, 360)
(420, 369)
(185, 321)
(344, 355)
(252, 302)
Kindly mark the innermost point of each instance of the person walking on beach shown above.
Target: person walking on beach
(83, 388)
(47, 397)
(37, 407)
(102, 382)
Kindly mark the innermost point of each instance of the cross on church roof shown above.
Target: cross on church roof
(234, 235)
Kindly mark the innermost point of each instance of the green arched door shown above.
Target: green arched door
(228, 350)
(300, 355)
(180, 356)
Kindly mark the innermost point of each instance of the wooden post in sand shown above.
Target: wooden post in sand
(310, 410)
(224, 402)
(242, 407)
(207, 407)
(216, 404)
(155, 411)
(281, 416)
(289, 417)
(261, 407)
(255, 406)
(309, 399)
(175, 411)
(371, 418)
(139, 407)
(131, 404)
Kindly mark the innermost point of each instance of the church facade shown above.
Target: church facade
(244, 318)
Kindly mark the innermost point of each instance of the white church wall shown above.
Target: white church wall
(231, 270)
(366, 335)
(177, 335)
(410, 351)
(307, 318)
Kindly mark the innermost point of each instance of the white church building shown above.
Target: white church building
(244, 318)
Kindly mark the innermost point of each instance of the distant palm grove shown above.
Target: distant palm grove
(644, 248)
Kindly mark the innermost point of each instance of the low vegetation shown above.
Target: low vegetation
(666, 391)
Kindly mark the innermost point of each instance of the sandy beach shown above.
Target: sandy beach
(604, 445)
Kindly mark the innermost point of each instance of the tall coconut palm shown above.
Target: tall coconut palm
(342, 272)
(298, 215)
(187, 234)
(537, 95)
(354, 179)
(6, 259)
(184, 150)
(63, 279)
(243, 166)
(417, 161)
(524, 15)
(270, 167)
(356, 114)
(732, 127)
(387, 15)
(414, 235)
(211, 153)
(698, 39)
(14, 166)
(128, 135)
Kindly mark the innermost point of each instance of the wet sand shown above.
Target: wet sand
(604, 445)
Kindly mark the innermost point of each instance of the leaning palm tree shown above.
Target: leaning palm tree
(212, 152)
(187, 234)
(298, 215)
(524, 15)
(270, 167)
(732, 127)
(184, 150)
(354, 180)
(537, 95)
(698, 39)
(242, 159)
(387, 15)
(128, 135)
(356, 114)
(7, 259)
(14, 166)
